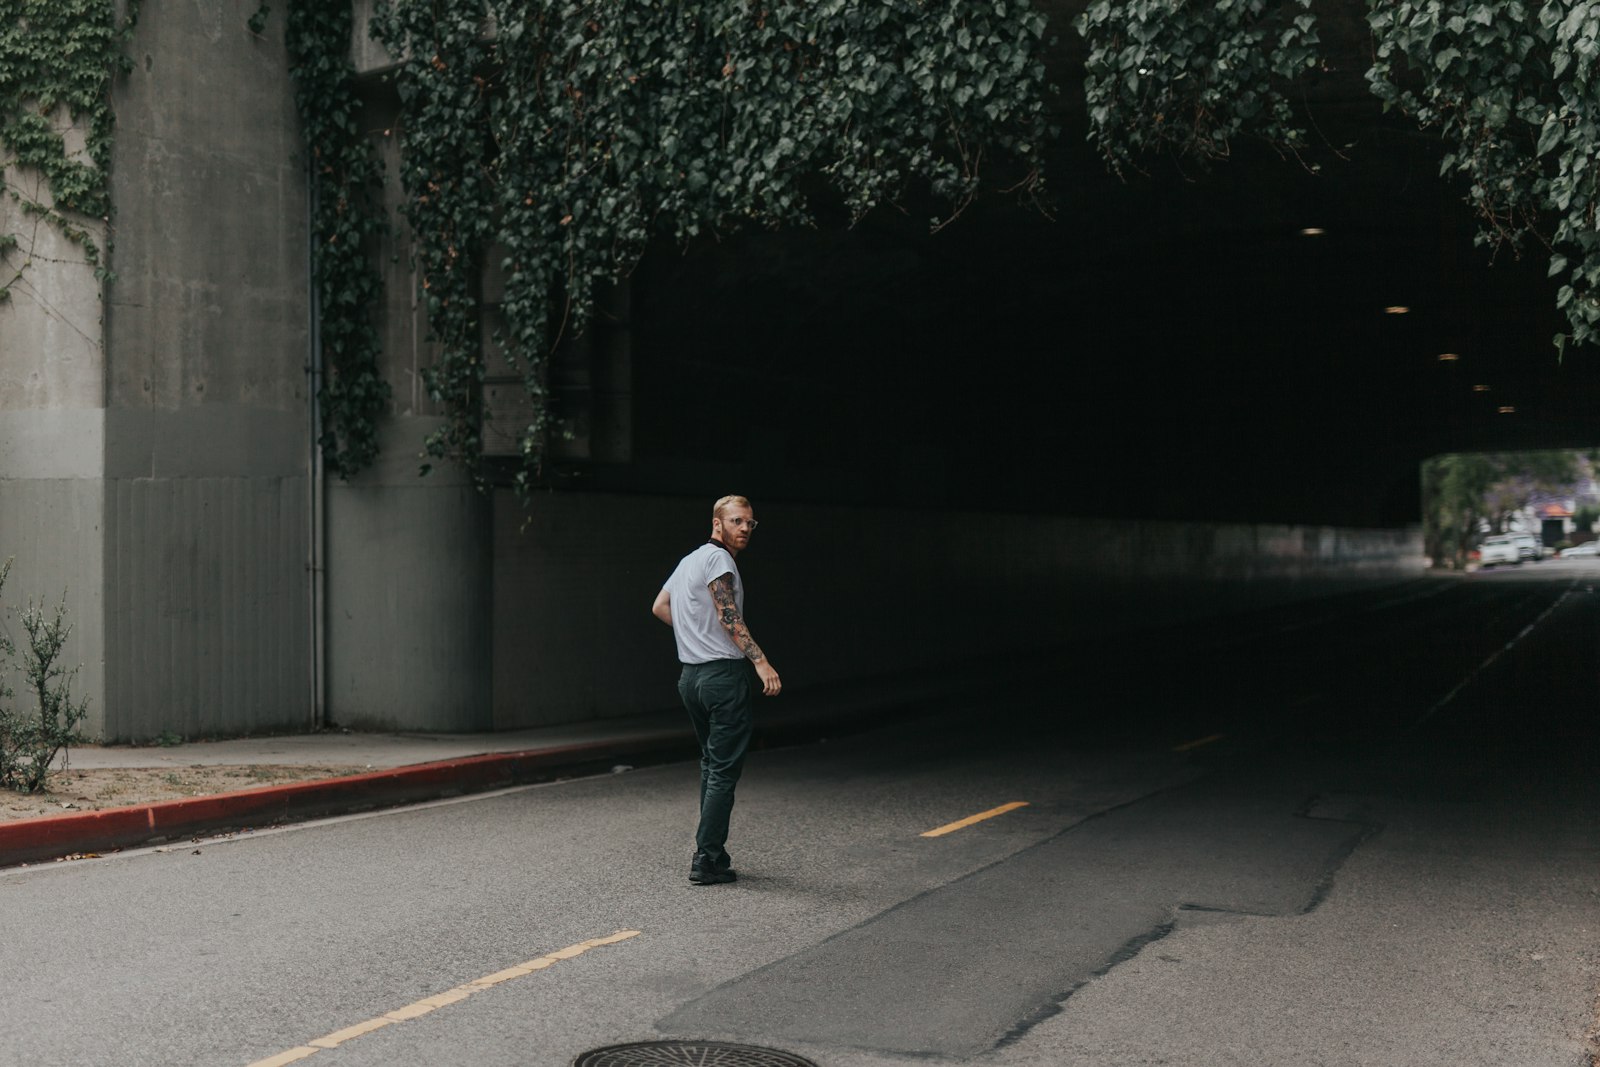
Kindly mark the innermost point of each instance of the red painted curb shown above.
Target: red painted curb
(53, 836)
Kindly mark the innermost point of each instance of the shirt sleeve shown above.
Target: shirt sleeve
(717, 564)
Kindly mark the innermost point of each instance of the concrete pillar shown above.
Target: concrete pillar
(207, 422)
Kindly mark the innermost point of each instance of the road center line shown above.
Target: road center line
(1480, 668)
(439, 1000)
(970, 819)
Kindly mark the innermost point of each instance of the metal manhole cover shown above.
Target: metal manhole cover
(689, 1054)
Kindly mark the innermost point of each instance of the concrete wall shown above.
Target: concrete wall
(410, 567)
(366, 55)
(51, 522)
(207, 425)
(52, 430)
(843, 593)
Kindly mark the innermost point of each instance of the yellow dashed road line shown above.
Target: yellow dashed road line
(1187, 745)
(970, 819)
(439, 1000)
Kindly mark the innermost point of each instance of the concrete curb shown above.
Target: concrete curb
(54, 836)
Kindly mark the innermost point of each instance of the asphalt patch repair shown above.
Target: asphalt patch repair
(977, 962)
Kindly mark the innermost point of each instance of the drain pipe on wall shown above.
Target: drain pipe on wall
(317, 549)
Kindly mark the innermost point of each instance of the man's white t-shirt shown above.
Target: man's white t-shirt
(696, 623)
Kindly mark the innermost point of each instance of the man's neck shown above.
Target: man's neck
(718, 542)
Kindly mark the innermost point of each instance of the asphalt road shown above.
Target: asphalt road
(1362, 832)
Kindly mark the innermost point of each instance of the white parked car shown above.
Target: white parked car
(1501, 548)
(1528, 546)
(1588, 548)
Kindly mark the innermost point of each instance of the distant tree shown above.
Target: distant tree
(1468, 494)
(1585, 517)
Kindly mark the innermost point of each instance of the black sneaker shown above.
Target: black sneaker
(702, 872)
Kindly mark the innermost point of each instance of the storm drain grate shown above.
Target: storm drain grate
(689, 1054)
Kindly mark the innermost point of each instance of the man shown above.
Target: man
(703, 602)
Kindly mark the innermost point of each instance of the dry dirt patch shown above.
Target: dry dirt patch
(96, 789)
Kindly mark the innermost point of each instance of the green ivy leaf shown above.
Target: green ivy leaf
(606, 124)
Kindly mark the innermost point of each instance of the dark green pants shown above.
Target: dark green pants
(718, 696)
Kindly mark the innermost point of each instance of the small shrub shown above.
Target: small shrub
(31, 738)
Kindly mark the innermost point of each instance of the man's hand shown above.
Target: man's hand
(770, 685)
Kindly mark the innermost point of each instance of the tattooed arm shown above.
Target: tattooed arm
(728, 613)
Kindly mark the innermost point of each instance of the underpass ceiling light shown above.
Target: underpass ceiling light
(1508, 409)
(1312, 231)
(1448, 357)
(1480, 388)
(1396, 309)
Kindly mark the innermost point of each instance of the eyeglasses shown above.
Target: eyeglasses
(742, 521)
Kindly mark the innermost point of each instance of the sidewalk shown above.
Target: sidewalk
(410, 768)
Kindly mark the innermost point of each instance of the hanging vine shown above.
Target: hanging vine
(562, 135)
(347, 214)
(57, 62)
(1190, 78)
(447, 170)
(1514, 89)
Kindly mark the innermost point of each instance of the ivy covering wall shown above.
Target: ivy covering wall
(347, 218)
(561, 137)
(57, 62)
(554, 139)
